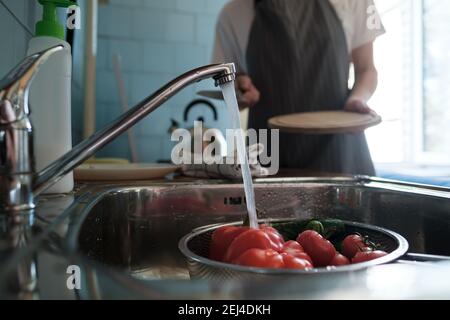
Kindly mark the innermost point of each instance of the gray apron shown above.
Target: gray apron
(298, 58)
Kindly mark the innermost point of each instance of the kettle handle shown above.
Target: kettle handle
(198, 102)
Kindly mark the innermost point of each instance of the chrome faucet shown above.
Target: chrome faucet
(19, 183)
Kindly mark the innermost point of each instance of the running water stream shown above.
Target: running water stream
(229, 95)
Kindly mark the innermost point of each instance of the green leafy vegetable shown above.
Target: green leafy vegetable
(329, 228)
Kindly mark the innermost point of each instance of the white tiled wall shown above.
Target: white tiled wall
(158, 40)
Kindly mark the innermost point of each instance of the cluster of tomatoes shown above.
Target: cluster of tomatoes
(266, 248)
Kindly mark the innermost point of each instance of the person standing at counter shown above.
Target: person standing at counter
(294, 56)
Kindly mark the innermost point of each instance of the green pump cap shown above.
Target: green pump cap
(49, 25)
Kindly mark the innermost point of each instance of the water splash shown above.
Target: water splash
(229, 95)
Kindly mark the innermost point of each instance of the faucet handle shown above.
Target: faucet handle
(14, 87)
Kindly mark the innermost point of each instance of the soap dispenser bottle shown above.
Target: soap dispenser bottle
(50, 94)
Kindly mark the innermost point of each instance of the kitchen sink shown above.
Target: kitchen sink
(135, 229)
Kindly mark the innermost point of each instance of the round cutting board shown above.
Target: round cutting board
(211, 94)
(325, 122)
(122, 172)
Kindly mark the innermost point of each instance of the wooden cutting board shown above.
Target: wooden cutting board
(122, 172)
(324, 122)
(211, 94)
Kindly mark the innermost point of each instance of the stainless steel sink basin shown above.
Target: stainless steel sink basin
(136, 229)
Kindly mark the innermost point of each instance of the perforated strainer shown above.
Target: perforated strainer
(195, 246)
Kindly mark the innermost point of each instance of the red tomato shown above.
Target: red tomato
(250, 239)
(254, 239)
(221, 240)
(317, 247)
(368, 256)
(292, 245)
(294, 249)
(275, 236)
(291, 262)
(339, 260)
(260, 258)
(300, 255)
(353, 244)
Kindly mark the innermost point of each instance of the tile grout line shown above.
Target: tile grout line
(30, 33)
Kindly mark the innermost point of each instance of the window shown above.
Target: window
(436, 81)
(390, 142)
(414, 88)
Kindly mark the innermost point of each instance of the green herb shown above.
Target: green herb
(329, 228)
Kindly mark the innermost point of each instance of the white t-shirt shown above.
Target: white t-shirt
(360, 20)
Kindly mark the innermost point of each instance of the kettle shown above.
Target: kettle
(215, 134)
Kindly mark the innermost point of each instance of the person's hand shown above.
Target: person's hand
(248, 95)
(357, 105)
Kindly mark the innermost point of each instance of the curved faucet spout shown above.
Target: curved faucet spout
(221, 73)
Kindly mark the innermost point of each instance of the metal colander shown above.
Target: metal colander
(195, 246)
